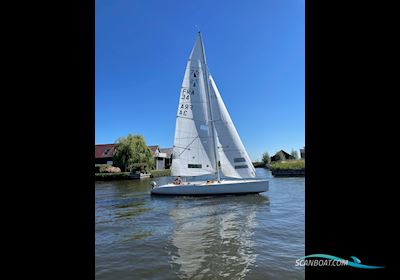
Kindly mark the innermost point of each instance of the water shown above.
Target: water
(139, 236)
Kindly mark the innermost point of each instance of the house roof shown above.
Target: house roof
(104, 150)
(287, 156)
(153, 148)
(168, 151)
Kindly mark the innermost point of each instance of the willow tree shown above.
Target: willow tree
(131, 153)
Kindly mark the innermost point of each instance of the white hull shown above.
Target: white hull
(215, 188)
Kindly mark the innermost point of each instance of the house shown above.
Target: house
(168, 158)
(163, 157)
(104, 153)
(159, 157)
(286, 155)
(303, 153)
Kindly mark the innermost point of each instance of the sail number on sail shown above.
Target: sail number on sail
(188, 92)
(183, 108)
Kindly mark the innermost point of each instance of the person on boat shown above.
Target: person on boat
(178, 180)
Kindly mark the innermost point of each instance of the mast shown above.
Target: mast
(209, 107)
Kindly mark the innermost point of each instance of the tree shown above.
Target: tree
(131, 153)
(266, 158)
(294, 154)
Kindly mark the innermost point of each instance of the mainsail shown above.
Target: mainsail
(204, 132)
(235, 162)
(193, 150)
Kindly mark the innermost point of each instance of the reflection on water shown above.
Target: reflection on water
(213, 239)
(139, 236)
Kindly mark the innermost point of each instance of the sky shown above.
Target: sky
(255, 52)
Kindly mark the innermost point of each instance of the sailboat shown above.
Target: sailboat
(206, 141)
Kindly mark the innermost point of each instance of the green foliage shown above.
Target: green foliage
(257, 164)
(294, 154)
(160, 173)
(266, 158)
(290, 164)
(112, 176)
(132, 154)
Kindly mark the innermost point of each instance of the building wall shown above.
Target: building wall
(102, 160)
(160, 164)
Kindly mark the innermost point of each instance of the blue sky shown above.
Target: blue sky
(255, 52)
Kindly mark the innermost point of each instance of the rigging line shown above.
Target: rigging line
(184, 149)
(185, 118)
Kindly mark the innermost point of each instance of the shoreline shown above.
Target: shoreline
(288, 172)
(288, 168)
(130, 176)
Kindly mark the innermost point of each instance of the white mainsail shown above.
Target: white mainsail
(235, 162)
(193, 150)
(194, 143)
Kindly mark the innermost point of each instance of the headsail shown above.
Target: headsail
(235, 162)
(193, 147)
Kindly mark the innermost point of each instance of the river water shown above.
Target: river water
(139, 236)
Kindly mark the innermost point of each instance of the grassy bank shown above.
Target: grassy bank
(160, 173)
(126, 175)
(290, 164)
(290, 168)
(112, 176)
